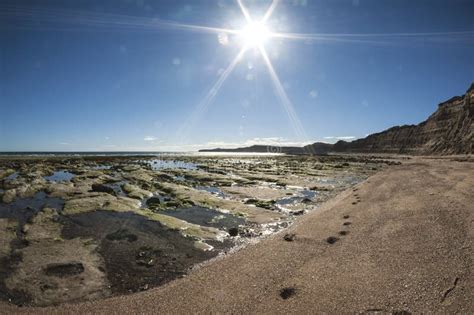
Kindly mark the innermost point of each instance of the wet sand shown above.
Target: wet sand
(399, 242)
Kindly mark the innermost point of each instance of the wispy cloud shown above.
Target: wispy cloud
(275, 141)
(270, 141)
(313, 94)
(149, 138)
(340, 138)
(64, 143)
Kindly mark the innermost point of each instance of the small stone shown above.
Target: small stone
(300, 212)
(153, 202)
(233, 231)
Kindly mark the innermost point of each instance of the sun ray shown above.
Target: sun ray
(269, 12)
(210, 95)
(287, 104)
(255, 34)
(382, 38)
(101, 20)
(245, 12)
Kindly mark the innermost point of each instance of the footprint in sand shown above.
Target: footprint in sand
(347, 223)
(286, 293)
(289, 237)
(332, 239)
(342, 233)
(345, 217)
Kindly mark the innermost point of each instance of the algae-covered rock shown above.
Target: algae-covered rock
(7, 235)
(100, 201)
(186, 228)
(54, 270)
(204, 199)
(6, 173)
(266, 204)
(136, 192)
(9, 196)
(42, 226)
(139, 175)
(153, 202)
(103, 188)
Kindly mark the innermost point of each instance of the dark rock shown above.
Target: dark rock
(289, 237)
(147, 256)
(153, 202)
(64, 270)
(261, 203)
(120, 235)
(233, 231)
(103, 188)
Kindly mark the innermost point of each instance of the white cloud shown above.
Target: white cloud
(149, 138)
(64, 143)
(313, 94)
(340, 137)
(270, 141)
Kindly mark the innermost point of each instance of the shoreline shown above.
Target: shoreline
(310, 274)
(201, 209)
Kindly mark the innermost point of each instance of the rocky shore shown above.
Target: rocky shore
(85, 228)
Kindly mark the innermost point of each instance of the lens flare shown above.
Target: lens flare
(255, 34)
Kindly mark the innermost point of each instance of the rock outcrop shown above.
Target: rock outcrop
(449, 130)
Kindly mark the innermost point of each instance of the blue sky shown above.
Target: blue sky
(119, 75)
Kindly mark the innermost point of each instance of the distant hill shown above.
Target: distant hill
(315, 148)
(449, 130)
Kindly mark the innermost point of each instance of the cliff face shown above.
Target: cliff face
(449, 130)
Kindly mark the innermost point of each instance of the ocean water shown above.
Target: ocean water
(131, 153)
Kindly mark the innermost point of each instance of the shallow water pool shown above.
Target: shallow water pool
(60, 176)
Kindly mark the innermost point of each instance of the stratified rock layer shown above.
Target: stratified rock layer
(449, 130)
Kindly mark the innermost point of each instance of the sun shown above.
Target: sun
(255, 34)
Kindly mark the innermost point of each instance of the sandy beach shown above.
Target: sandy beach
(399, 242)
